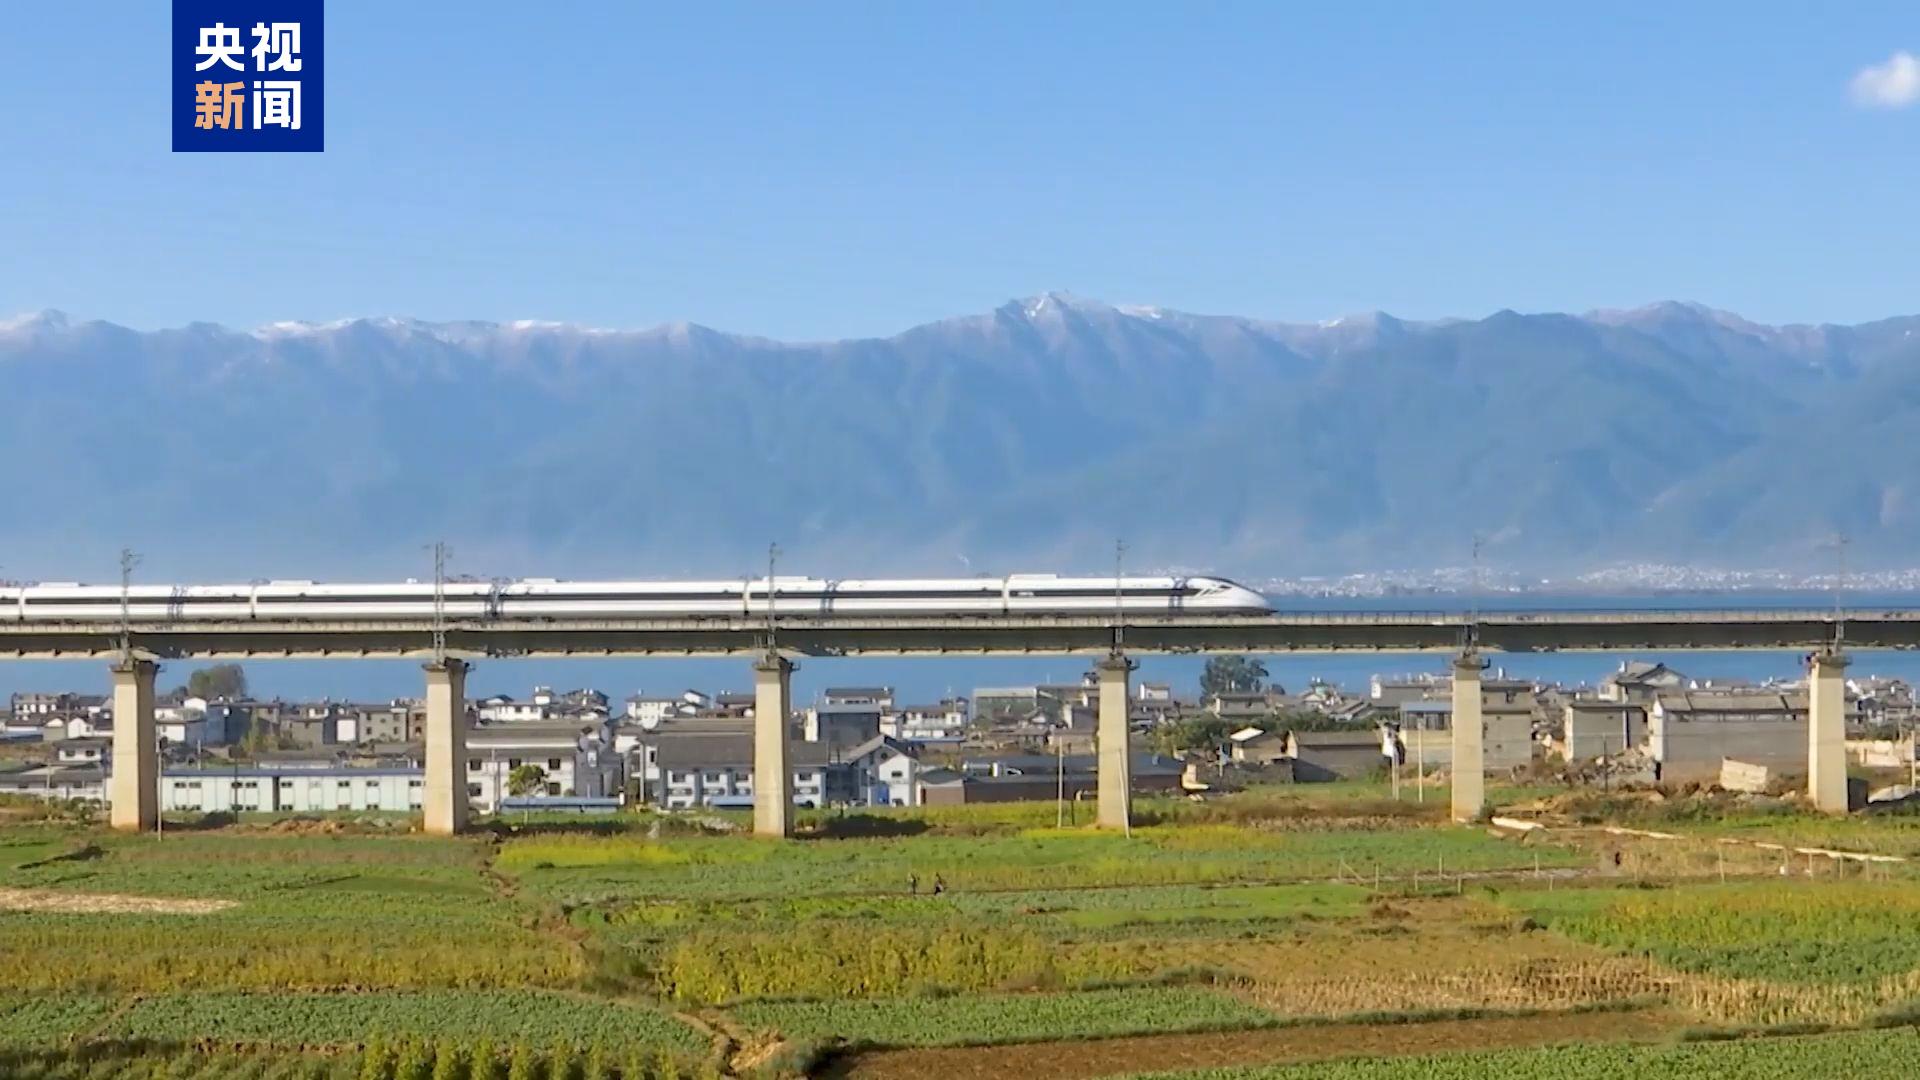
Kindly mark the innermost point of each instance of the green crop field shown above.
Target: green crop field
(1007, 1018)
(370, 912)
(581, 870)
(1814, 1057)
(1278, 922)
(542, 1018)
(1797, 932)
(45, 1018)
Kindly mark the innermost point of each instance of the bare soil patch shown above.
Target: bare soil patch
(104, 903)
(1274, 1046)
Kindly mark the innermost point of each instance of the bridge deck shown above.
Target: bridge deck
(1308, 632)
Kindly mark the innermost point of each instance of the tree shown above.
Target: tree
(526, 780)
(1202, 732)
(1232, 675)
(227, 681)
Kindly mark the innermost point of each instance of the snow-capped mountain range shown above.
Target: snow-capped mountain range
(1026, 438)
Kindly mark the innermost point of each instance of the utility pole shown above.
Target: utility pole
(1420, 762)
(1060, 782)
(1119, 626)
(1394, 760)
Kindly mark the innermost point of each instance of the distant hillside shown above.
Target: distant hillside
(1028, 437)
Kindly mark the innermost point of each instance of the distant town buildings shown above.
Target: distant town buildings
(861, 746)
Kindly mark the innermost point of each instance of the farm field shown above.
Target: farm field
(1332, 925)
(1849, 1054)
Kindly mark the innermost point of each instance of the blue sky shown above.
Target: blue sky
(824, 170)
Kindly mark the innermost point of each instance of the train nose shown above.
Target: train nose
(1242, 598)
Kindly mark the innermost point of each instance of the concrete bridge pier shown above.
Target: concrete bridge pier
(772, 772)
(1116, 767)
(445, 799)
(1469, 738)
(1827, 731)
(135, 791)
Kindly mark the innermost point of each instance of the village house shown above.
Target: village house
(87, 783)
(576, 759)
(82, 751)
(651, 712)
(1039, 777)
(884, 772)
(1394, 691)
(1426, 733)
(1335, 755)
(77, 725)
(1074, 732)
(847, 716)
(1257, 746)
(277, 789)
(941, 722)
(717, 771)
(42, 706)
(399, 721)
(1690, 733)
(1593, 728)
(503, 709)
(1639, 682)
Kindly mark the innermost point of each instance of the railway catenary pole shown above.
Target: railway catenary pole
(773, 556)
(128, 560)
(440, 554)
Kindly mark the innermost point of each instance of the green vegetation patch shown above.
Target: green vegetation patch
(310, 912)
(836, 961)
(543, 1019)
(1030, 860)
(978, 1019)
(1063, 909)
(1790, 932)
(1852, 1054)
(50, 1018)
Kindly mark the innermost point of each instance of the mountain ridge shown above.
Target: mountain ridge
(1028, 436)
(1052, 300)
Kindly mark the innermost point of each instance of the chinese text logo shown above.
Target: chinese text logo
(247, 75)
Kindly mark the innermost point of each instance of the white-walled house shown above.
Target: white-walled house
(885, 772)
(245, 789)
(501, 709)
(83, 751)
(577, 757)
(717, 769)
(941, 722)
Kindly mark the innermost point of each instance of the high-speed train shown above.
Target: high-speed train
(541, 598)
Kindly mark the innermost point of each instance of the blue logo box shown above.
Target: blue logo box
(249, 75)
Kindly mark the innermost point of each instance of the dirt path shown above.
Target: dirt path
(1274, 1046)
(104, 903)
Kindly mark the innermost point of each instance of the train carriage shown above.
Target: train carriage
(546, 598)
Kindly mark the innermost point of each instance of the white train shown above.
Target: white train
(540, 598)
